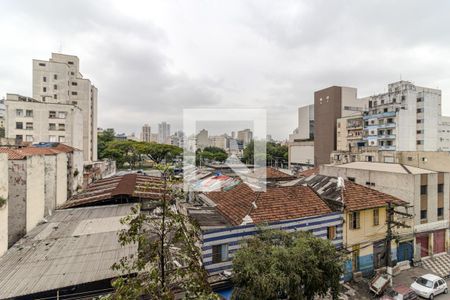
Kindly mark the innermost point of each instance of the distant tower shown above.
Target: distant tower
(146, 133)
(164, 133)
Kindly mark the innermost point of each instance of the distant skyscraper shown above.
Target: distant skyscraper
(202, 139)
(245, 136)
(146, 133)
(164, 133)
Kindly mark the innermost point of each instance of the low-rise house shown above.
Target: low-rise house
(226, 218)
(364, 230)
(3, 203)
(427, 191)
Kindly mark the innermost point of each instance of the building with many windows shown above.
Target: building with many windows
(32, 121)
(146, 133)
(58, 80)
(164, 133)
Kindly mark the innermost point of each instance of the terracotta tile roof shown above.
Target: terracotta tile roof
(276, 204)
(129, 186)
(12, 153)
(359, 197)
(271, 174)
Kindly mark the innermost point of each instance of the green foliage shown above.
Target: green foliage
(133, 153)
(167, 258)
(281, 265)
(104, 138)
(2, 202)
(209, 154)
(275, 153)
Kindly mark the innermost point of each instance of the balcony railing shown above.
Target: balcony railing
(380, 115)
(386, 136)
(388, 148)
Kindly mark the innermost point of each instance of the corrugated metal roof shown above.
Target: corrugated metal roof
(129, 185)
(76, 246)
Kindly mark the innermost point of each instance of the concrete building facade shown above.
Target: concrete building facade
(246, 136)
(427, 191)
(301, 141)
(3, 206)
(59, 80)
(331, 104)
(146, 133)
(164, 133)
(30, 120)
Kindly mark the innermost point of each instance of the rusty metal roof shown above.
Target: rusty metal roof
(128, 186)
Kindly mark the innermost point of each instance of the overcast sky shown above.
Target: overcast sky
(150, 60)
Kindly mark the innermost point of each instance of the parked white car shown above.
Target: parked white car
(429, 285)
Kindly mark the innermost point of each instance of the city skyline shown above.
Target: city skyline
(280, 53)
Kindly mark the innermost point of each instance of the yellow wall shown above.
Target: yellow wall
(367, 231)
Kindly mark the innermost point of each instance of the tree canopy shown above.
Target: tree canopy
(134, 152)
(211, 154)
(281, 265)
(275, 153)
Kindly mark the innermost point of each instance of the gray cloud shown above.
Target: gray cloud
(152, 59)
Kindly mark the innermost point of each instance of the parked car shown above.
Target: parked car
(429, 285)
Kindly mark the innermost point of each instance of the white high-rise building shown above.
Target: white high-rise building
(59, 80)
(146, 133)
(202, 139)
(246, 136)
(406, 118)
(164, 133)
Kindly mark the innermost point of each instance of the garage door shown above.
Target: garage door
(439, 241)
(422, 242)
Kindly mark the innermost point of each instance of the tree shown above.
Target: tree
(104, 138)
(167, 259)
(211, 154)
(281, 265)
(275, 153)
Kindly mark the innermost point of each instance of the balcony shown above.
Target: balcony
(380, 115)
(386, 136)
(387, 125)
(387, 148)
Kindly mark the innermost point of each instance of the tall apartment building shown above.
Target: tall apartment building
(246, 136)
(164, 133)
(350, 133)
(59, 80)
(30, 120)
(331, 104)
(406, 118)
(146, 133)
(202, 139)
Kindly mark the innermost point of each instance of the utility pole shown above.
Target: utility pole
(391, 223)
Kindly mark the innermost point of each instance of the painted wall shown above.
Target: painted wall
(17, 195)
(35, 193)
(233, 236)
(4, 208)
(61, 178)
(50, 183)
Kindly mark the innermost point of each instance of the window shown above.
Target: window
(419, 142)
(74, 102)
(61, 139)
(419, 121)
(72, 73)
(74, 93)
(61, 127)
(42, 64)
(219, 253)
(70, 62)
(52, 114)
(44, 79)
(44, 89)
(19, 138)
(419, 99)
(52, 126)
(62, 114)
(19, 125)
(29, 113)
(19, 112)
(55, 76)
(74, 83)
(52, 138)
(419, 131)
(440, 212)
(423, 189)
(353, 218)
(331, 233)
(29, 126)
(423, 214)
(55, 86)
(410, 158)
(55, 96)
(376, 217)
(352, 179)
(29, 138)
(440, 188)
(419, 110)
